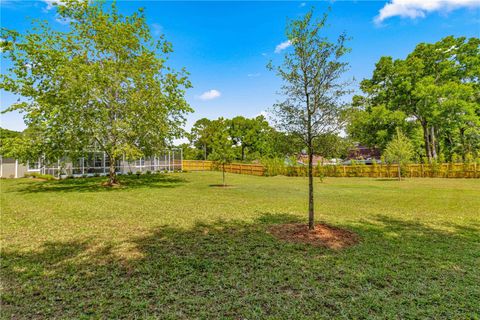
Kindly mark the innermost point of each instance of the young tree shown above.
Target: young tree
(399, 151)
(222, 151)
(103, 83)
(313, 89)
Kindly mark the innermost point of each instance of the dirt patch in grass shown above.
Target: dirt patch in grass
(323, 235)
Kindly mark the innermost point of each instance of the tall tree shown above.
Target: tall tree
(313, 88)
(250, 135)
(104, 83)
(201, 136)
(437, 86)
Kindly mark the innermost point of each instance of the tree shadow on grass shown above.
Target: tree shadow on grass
(234, 269)
(94, 184)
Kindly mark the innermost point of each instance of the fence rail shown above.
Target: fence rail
(445, 170)
(241, 168)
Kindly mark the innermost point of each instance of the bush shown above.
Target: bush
(273, 167)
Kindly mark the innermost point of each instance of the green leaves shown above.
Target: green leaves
(313, 88)
(436, 85)
(101, 82)
(399, 150)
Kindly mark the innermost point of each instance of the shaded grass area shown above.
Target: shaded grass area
(126, 182)
(192, 251)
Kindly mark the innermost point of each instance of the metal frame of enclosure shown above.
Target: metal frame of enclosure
(94, 163)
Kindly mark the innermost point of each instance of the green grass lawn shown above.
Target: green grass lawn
(175, 247)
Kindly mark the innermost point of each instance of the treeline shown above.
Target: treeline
(248, 139)
(433, 96)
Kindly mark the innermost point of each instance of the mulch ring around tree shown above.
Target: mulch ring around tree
(323, 235)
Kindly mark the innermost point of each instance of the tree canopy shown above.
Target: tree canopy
(103, 84)
(434, 90)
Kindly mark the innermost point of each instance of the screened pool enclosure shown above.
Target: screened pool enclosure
(98, 163)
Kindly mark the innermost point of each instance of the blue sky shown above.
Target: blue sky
(226, 45)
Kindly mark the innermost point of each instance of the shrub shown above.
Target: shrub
(273, 167)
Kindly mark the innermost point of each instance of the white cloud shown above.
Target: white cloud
(253, 75)
(209, 95)
(282, 46)
(419, 8)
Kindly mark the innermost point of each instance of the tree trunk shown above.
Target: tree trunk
(399, 172)
(243, 153)
(462, 142)
(433, 142)
(223, 174)
(112, 175)
(426, 141)
(311, 222)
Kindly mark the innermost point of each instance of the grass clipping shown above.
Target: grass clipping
(323, 235)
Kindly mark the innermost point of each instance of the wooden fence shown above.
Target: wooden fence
(241, 168)
(446, 170)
